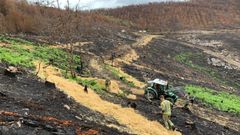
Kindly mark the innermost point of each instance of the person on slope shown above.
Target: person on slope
(166, 113)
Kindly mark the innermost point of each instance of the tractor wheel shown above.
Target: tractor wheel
(149, 96)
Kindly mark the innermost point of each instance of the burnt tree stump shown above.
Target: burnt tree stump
(50, 84)
(85, 88)
(132, 105)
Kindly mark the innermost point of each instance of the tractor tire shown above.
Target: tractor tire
(149, 96)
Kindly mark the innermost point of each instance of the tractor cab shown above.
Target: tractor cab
(159, 87)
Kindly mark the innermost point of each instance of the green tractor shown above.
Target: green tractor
(159, 87)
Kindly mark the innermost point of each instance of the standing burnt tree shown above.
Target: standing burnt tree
(65, 29)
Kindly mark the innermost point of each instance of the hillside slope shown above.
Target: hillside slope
(197, 14)
(79, 51)
(37, 19)
(216, 110)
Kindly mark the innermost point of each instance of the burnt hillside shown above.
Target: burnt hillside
(197, 14)
(37, 19)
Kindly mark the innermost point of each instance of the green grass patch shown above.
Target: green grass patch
(220, 100)
(17, 54)
(16, 58)
(91, 83)
(124, 93)
(188, 57)
(14, 41)
(129, 83)
(119, 75)
(59, 56)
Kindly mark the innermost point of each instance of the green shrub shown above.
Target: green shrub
(15, 41)
(16, 58)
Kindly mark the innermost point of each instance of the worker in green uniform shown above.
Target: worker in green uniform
(166, 113)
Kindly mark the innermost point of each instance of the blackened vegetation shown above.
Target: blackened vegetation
(37, 19)
(173, 16)
(161, 55)
(9, 73)
(26, 102)
(132, 105)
